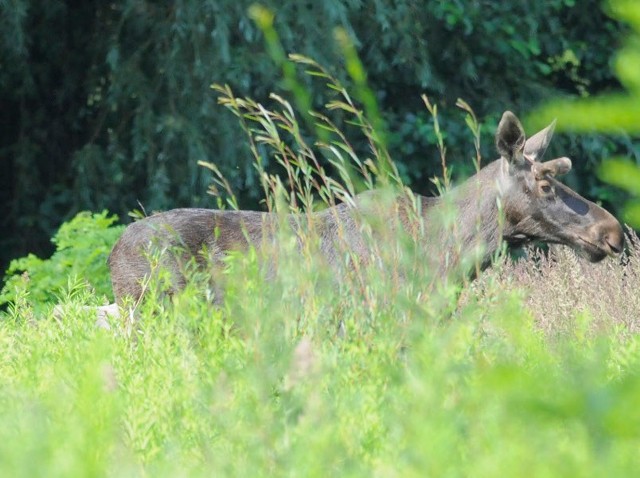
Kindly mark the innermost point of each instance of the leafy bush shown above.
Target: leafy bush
(378, 374)
(292, 377)
(135, 106)
(613, 113)
(82, 247)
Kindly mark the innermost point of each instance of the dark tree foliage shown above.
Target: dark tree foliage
(107, 104)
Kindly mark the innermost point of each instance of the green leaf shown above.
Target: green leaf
(622, 173)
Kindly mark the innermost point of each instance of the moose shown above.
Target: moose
(514, 199)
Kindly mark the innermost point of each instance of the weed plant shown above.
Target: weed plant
(531, 370)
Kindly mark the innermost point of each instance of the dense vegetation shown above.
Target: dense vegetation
(611, 112)
(295, 379)
(108, 103)
(530, 370)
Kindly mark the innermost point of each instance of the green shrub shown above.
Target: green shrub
(303, 375)
(134, 107)
(613, 113)
(82, 247)
(271, 384)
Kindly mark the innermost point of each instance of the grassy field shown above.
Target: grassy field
(531, 370)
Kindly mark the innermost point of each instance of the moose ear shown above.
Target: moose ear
(510, 138)
(537, 144)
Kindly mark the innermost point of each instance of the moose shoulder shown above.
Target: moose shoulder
(515, 199)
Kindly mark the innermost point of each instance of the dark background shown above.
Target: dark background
(104, 104)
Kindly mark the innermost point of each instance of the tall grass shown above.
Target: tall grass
(531, 370)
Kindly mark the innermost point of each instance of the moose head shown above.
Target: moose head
(538, 207)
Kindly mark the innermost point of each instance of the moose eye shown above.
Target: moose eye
(546, 188)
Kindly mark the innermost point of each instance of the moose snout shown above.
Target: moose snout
(609, 236)
(615, 240)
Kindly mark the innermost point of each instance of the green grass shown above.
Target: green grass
(531, 370)
(272, 385)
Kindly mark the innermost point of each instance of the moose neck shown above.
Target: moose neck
(469, 215)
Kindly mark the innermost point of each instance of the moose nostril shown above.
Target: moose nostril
(615, 240)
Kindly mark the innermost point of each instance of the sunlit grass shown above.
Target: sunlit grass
(531, 370)
(274, 384)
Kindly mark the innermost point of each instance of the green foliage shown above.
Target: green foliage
(614, 113)
(380, 372)
(626, 175)
(82, 247)
(134, 115)
(294, 378)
